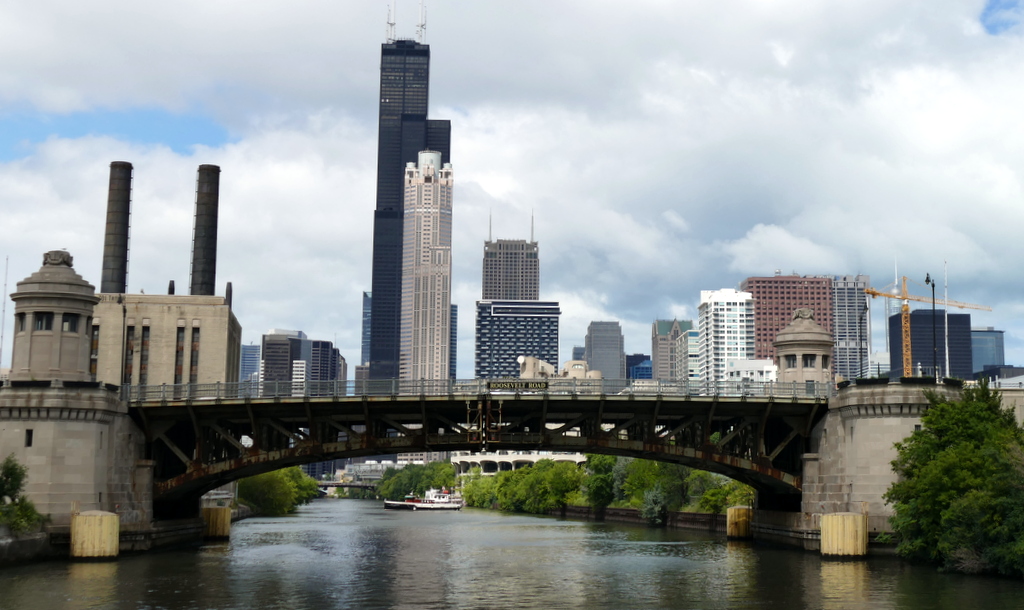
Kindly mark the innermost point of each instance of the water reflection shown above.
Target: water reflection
(352, 554)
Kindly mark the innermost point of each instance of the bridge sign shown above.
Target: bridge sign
(517, 385)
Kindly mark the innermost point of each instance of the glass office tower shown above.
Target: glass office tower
(403, 131)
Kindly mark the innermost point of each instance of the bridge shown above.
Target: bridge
(202, 436)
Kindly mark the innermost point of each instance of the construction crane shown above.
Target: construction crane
(890, 292)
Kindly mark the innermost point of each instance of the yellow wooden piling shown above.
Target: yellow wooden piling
(218, 522)
(95, 534)
(737, 522)
(844, 535)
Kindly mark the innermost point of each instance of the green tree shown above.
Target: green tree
(600, 481)
(271, 493)
(644, 475)
(20, 514)
(478, 490)
(306, 488)
(654, 509)
(959, 500)
(12, 478)
(415, 479)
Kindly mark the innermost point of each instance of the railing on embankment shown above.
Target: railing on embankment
(474, 387)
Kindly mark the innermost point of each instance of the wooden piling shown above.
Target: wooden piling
(844, 535)
(95, 534)
(218, 522)
(737, 522)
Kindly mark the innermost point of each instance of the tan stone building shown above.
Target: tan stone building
(74, 435)
(427, 270)
(170, 339)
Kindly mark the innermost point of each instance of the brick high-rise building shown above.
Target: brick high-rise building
(775, 300)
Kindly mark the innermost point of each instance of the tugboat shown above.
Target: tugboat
(433, 499)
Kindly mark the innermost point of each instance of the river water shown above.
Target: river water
(352, 554)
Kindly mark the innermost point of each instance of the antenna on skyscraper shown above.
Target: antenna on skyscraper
(490, 225)
(421, 28)
(531, 226)
(389, 35)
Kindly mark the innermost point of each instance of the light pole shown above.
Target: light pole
(935, 348)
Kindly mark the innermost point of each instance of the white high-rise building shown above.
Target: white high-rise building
(687, 363)
(426, 269)
(726, 327)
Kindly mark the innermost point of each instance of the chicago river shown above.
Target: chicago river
(353, 554)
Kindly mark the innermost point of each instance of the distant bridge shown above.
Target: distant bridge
(204, 435)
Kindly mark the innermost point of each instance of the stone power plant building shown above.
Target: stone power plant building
(140, 339)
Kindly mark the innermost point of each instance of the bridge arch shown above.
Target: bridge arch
(199, 444)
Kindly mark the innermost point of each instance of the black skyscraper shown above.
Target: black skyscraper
(403, 132)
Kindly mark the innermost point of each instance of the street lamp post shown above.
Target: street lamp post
(935, 348)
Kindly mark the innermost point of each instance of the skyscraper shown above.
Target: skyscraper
(403, 131)
(364, 354)
(851, 326)
(726, 330)
(250, 366)
(603, 349)
(511, 270)
(986, 348)
(923, 358)
(506, 330)
(453, 344)
(775, 300)
(427, 269)
(664, 347)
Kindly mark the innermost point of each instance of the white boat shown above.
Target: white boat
(433, 499)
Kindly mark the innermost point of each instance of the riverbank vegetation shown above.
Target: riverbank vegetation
(415, 479)
(278, 492)
(17, 512)
(653, 488)
(959, 502)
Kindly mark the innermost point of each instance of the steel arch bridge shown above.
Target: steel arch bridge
(203, 437)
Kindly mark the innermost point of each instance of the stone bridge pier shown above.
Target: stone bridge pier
(82, 449)
(848, 469)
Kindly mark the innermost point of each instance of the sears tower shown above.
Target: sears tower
(403, 131)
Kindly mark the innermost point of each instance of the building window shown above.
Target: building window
(129, 354)
(28, 437)
(43, 320)
(69, 323)
(790, 361)
(144, 357)
(193, 369)
(21, 322)
(94, 351)
(179, 355)
(810, 361)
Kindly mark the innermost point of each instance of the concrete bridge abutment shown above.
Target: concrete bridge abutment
(848, 469)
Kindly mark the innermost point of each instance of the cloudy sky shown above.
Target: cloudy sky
(663, 148)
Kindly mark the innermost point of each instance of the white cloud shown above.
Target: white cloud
(663, 150)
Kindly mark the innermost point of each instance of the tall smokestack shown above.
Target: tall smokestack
(115, 244)
(204, 237)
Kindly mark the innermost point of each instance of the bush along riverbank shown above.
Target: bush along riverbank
(653, 490)
(277, 493)
(20, 523)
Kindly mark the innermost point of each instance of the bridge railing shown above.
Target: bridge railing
(474, 387)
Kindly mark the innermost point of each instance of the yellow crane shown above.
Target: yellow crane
(889, 292)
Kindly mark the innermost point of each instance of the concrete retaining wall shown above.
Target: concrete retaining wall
(693, 521)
